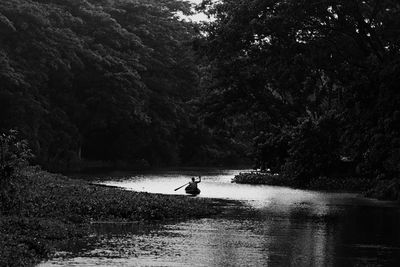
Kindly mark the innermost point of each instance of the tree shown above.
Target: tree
(99, 80)
(290, 60)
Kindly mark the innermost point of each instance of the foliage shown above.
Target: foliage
(271, 149)
(313, 149)
(27, 241)
(258, 178)
(317, 78)
(98, 80)
(55, 208)
(385, 189)
(14, 156)
(58, 197)
(352, 184)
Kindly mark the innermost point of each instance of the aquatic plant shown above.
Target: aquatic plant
(258, 178)
(54, 208)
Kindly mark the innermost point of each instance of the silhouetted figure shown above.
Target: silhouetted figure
(193, 183)
(192, 187)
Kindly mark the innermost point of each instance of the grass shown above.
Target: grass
(51, 208)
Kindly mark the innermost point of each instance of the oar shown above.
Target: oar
(181, 186)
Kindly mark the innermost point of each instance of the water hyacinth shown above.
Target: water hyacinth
(54, 208)
(258, 178)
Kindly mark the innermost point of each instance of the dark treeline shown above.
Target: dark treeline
(313, 84)
(317, 80)
(107, 81)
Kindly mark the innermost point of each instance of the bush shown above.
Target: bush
(258, 178)
(386, 189)
(271, 149)
(314, 149)
(14, 155)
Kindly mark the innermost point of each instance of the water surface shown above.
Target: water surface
(277, 226)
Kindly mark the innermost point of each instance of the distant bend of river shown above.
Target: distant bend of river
(281, 227)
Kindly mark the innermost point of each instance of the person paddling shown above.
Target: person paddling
(192, 187)
(193, 183)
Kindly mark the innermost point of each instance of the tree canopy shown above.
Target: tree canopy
(318, 79)
(100, 80)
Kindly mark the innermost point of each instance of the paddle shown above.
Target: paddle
(181, 186)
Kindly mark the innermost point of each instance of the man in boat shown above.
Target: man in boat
(192, 187)
(193, 183)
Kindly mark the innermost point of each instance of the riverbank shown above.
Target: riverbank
(383, 190)
(51, 208)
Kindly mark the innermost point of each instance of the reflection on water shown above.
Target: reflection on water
(279, 227)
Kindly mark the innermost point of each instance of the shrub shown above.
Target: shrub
(258, 178)
(14, 155)
(271, 149)
(314, 149)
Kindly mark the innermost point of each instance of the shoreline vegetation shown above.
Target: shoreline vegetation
(309, 90)
(51, 208)
(369, 187)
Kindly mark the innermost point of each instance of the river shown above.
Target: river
(275, 226)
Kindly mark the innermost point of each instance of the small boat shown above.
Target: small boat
(192, 191)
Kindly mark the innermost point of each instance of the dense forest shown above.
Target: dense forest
(113, 82)
(319, 81)
(311, 85)
(305, 90)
